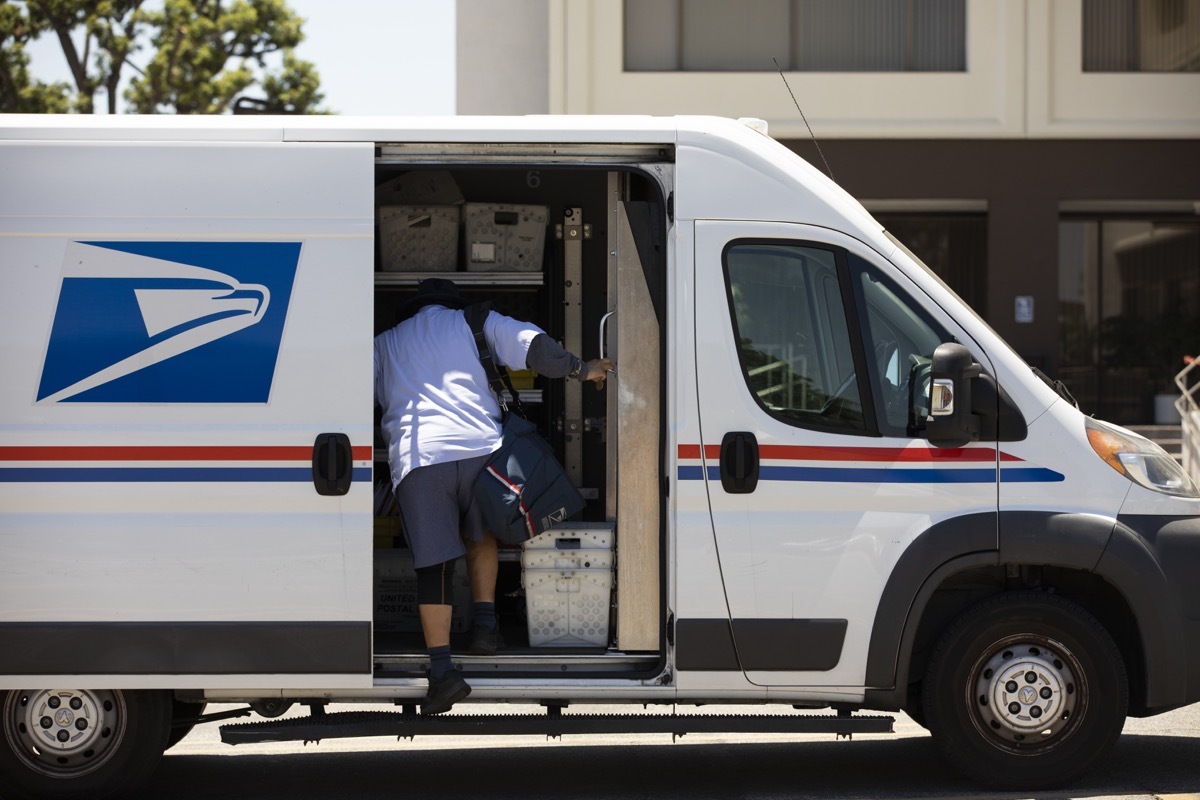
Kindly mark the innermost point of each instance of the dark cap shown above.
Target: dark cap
(432, 292)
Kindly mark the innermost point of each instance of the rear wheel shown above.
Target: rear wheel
(1025, 691)
(81, 743)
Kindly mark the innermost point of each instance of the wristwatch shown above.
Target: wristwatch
(578, 370)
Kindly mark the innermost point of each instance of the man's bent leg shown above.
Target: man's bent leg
(482, 567)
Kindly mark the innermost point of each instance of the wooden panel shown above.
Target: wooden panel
(635, 390)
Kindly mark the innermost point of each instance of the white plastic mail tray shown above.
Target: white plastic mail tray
(568, 609)
(575, 536)
(418, 238)
(504, 238)
(567, 559)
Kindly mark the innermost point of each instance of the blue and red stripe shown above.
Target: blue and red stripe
(166, 464)
(912, 464)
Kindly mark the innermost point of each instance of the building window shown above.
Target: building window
(1129, 309)
(954, 246)
(1141, 35)
(801, 35)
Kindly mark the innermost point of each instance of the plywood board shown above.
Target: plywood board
(636, 391)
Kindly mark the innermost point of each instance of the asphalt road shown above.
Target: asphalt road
(1155, 758)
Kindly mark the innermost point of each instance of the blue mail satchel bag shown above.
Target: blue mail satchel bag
(522, 490)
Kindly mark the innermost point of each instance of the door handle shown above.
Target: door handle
(604, 333)
(739, 462)
(331, 464)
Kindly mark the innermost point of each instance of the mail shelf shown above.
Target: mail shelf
(404, 280)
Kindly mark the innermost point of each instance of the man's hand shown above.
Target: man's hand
(598, 369)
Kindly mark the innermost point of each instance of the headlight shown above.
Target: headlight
(1140, 460)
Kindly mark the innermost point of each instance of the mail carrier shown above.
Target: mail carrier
(816, 479)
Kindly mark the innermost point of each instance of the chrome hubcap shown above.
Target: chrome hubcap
(60, 732)
(1027, 692)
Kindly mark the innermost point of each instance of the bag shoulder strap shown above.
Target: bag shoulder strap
(497, 375)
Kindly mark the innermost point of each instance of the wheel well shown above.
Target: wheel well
(963, 589)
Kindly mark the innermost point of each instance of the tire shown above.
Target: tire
(181, 710)
(915, 710)
(70, 744)
(1025, 691)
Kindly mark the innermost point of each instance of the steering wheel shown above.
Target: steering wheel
(831, 401)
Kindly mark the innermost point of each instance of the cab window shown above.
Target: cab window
(792, 333)
(902, 338)
(826, 341)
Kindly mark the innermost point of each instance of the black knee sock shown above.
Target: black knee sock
(485, 615)
(439, 661)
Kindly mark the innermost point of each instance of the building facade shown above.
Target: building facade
(1043, 156)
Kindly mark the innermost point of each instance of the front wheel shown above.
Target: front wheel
(182, 716)
(80, 743)
(1025, 691)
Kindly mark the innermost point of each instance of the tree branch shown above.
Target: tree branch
(78, 68)
(120, 58)
(9, 98)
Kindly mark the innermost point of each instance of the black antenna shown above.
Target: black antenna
(810, 130)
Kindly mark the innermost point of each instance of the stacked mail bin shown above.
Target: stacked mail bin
(567, 574)
(419, 238)
(501, 238)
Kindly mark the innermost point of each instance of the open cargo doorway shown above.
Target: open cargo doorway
(578, 248)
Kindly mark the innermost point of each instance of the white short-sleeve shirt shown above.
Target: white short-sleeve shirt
(433, 391)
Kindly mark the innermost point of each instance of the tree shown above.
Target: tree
(204, 53)
(109, 26)
(18, 91)
(194, 42)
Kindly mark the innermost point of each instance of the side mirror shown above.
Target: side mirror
(951, 422)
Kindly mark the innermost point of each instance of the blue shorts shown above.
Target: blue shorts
(437, 506)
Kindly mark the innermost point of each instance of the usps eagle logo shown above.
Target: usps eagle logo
(168, 322)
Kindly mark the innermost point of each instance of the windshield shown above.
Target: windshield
(925, 268)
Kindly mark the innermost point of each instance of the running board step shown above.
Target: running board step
(389, 723)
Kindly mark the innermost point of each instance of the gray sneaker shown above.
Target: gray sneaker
(486, 641)
(444, 693)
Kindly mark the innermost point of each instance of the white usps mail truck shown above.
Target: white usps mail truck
(816, 479)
